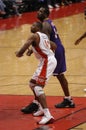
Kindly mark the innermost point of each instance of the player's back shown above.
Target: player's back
(54, 34)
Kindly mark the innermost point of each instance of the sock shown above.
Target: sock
(47, 112)
(68, 97)
(35, 101)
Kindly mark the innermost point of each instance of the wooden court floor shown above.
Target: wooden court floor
(15, 73)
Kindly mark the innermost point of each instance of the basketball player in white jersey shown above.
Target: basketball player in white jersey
(42, 48)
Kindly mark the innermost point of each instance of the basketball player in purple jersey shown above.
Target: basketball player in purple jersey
(50, 29)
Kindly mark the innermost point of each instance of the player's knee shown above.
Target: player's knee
(32, 83)
(38, 91)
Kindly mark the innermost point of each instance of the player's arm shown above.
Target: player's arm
(53, 46)
(80, 38)
(25, 46)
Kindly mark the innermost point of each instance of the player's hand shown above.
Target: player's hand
(18, 54)
(77, 42)
(29, 52)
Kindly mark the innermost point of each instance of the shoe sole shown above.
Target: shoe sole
(49, 122)
(65, 107)
(27, 112)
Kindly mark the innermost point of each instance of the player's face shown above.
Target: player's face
(40, 14)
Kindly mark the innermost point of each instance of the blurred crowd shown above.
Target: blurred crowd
(10, 8)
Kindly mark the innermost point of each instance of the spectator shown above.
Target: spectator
(15, 7)
(2, 8)
(52, 3)
(11, 7)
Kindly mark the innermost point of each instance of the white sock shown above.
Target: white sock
(35, 101)
(68, 97)
(46, 112)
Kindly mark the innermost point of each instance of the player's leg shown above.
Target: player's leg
(64, 83)
(34, 105)
(44, 108)
(58, 72)
(67, 101)
(50, 65)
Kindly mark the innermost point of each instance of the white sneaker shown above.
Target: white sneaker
(85, 90)
(50, 6)
(57, 6)
(46, 120)
(38, 113)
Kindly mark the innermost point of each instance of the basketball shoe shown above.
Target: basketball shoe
(66, 103)
(46, 120)
(39, 112)
(32, 107)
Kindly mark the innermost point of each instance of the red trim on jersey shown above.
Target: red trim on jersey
(42, 77)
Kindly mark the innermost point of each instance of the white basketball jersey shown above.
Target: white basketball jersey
(44, 47)
(47, 60)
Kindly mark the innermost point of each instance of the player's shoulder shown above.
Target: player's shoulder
(46, 25)
(33, 37)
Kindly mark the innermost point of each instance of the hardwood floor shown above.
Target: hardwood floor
(15, 73)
